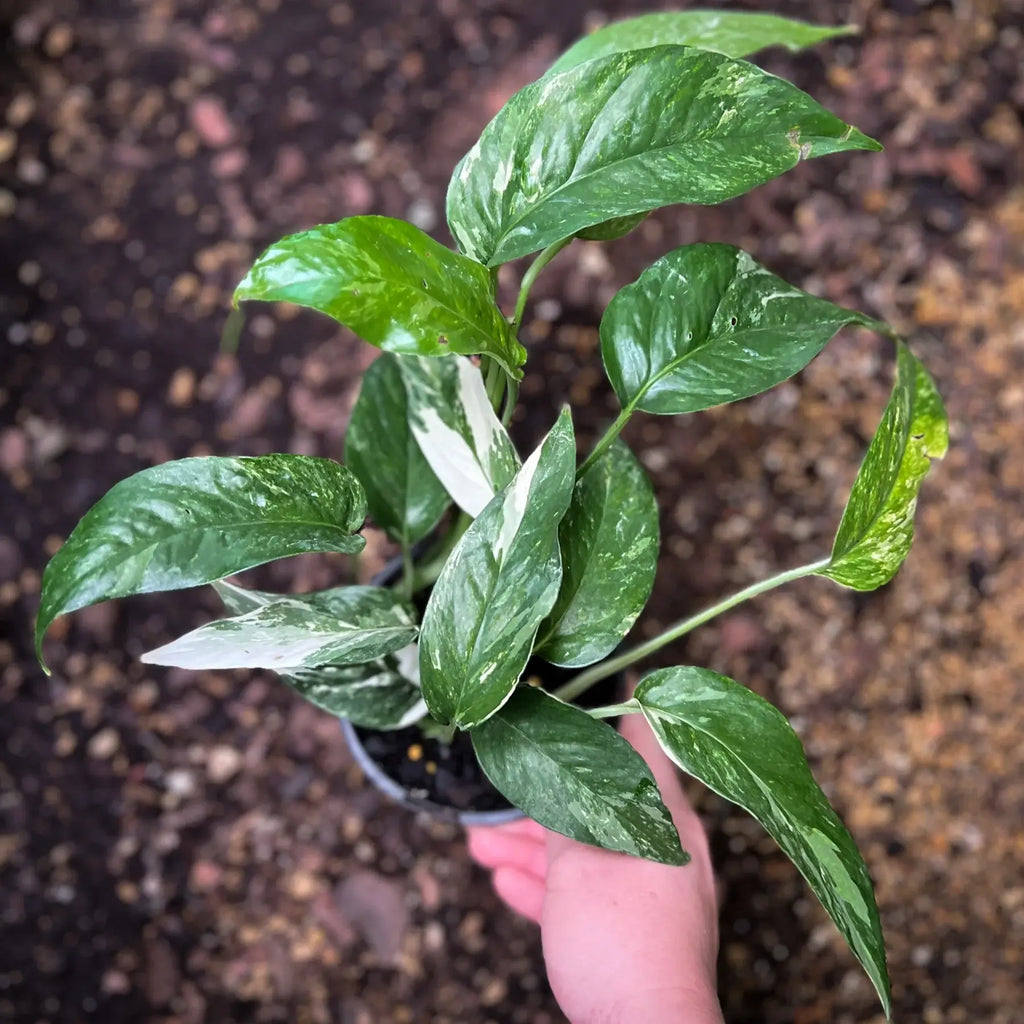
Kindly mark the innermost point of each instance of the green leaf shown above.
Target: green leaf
(609, 543)
(577, 776)
(731, 33)
(609, 230)
(706, 325)
(455, 427)
(197, 520)
(381, 694)
(496, 587)
(740, 746)
(670, 124)
(404, 496)
(390, 283)
(343, 626)
(877, 527)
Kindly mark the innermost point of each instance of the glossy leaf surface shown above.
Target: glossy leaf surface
(732, 33)
(740, 746)
(455, 427)
(390, 283)
(577, 776)
(496, 587)
(197, 520)
(609, 230)
(706, 325)
(609, 544)
(404, 496)
(877, 527)
(381, 694)
(343, 626)
(670, 124)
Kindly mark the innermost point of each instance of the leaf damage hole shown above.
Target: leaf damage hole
(733, 321)
(442, 340)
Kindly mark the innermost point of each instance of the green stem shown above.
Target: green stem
(581, 683)
(428, 571)
(511, 395)
(609, 437)
(408, 572)
(494, 381)
(531, 275)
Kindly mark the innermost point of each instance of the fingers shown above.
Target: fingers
(522, 892)
(518, 858)
(519, 848)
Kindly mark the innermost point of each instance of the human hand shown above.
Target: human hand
(625, 940)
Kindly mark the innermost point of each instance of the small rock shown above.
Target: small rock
(223, 763)
(290, 166)
(182, 388)
(229, 163)
(180, 782)
(115, 983)
(14, 450)
(205, 875)
(104, 744)
(211, 122)
(375, 906)
(58, 40)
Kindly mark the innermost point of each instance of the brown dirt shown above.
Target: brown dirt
(184, 848)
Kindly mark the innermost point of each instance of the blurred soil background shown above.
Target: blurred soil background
(186, 848)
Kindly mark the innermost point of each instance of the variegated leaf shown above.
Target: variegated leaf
(609, 543)
(877, 528)
(344, 626)
(740, 746)
(460, 437)
(382, 694)
(405, 497)
(629, 133)
(197, 520)
(496, 587)
(733, 33)
(706, 325)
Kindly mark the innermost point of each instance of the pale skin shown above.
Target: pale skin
(625, 940)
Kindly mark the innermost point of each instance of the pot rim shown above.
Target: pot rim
(390, 788)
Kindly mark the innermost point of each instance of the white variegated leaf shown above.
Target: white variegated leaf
(455, 427)
(496, 587)
(346, 626)
(382, 694)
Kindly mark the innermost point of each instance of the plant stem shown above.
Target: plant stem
(609, 436)
(511, 395)
(428, 571)
(408, 572)
(494, 381)
(581, 683)
(531, 275)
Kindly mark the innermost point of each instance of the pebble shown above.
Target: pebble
(223, 763)
(104, 744)
(180, 782)
(211, 122)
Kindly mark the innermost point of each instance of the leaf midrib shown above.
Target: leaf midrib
(573, 181)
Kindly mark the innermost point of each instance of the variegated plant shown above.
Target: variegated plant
(551, 556)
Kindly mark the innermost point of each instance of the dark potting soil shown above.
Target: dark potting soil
(448, 774)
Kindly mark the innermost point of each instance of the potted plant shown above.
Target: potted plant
(518, 578)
